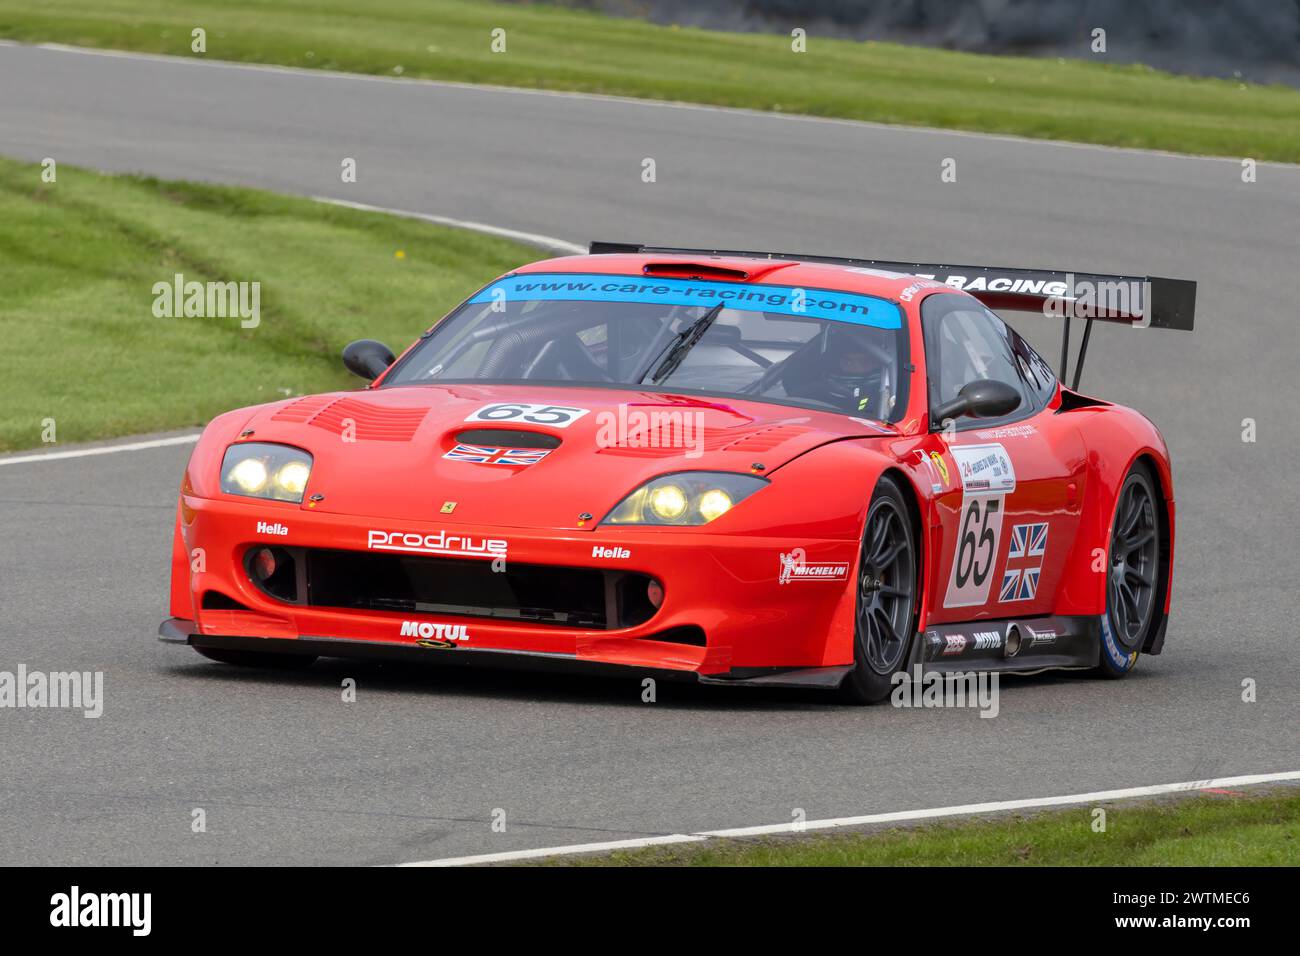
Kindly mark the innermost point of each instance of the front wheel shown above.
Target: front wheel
(885, 622)
(1132, 567)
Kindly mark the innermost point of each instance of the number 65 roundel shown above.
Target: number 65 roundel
(557, 416)
(987, 477)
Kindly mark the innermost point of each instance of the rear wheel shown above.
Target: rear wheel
(1132, 567)
(257, 658)
(885, 621)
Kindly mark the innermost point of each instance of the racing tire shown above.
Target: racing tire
(257, 658)
(884, 630)
(1132, 574)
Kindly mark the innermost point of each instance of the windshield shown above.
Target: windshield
(814, 348)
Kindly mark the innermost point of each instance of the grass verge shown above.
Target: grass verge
(80, 258)
(1201, 830)
(1081, 100)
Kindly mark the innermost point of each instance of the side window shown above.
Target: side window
(965, 342)
(1038, 375)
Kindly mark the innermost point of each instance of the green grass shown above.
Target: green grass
(1082, 100)
(1202, 830)
(80, 257)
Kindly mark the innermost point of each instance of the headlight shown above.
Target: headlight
(685, 498)
(262, 470)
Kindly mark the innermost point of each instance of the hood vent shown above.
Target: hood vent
(371, 422)
(694, 270)
(508, 437)
(765, 439)
(663, 439)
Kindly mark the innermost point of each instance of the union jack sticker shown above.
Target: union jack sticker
(490, 455)
(1028, 540)
(1019, 584)
(1027, 548)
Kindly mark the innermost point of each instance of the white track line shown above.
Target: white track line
(900, 816)
(550, 243)
(100, 450)
(609, 98)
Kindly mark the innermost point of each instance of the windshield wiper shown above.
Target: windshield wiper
(684, 342)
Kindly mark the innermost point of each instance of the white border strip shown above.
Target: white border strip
(100, 450)
(550, 243)
(900, 816)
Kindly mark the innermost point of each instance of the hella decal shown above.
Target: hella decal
(265, 527)
(615, 553)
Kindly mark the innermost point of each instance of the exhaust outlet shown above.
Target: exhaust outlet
(1011, 646)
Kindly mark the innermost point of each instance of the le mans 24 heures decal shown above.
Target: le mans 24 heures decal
(987, 477)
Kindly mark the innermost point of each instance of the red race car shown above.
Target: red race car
(741, 468)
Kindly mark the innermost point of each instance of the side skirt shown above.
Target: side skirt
(1013, 646)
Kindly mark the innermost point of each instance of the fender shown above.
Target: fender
(859, 465)
(1115, 438)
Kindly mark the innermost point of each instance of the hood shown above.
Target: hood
(384, 452)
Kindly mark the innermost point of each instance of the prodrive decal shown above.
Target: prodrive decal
(437, 542)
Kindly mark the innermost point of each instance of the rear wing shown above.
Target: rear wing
(1143, 301)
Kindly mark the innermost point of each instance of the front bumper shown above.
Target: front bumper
(179, 631)
(726, 586)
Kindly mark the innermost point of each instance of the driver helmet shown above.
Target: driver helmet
(852, 366)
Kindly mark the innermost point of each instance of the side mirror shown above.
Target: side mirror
(367, 358)
(985, 398)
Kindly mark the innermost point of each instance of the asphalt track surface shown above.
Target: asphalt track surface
(288, 773)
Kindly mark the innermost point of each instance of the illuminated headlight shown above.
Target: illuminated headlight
(685, 498)
(263, 470)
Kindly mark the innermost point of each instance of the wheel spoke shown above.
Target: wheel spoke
(1140, 540)
(1134, 576)
(1132, 512)
(888, 556)
(887, 628)
(1130, 602)
(870, 627)
(878, 534)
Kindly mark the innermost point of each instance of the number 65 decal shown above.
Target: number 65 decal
(556, 416)
(977, 550)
